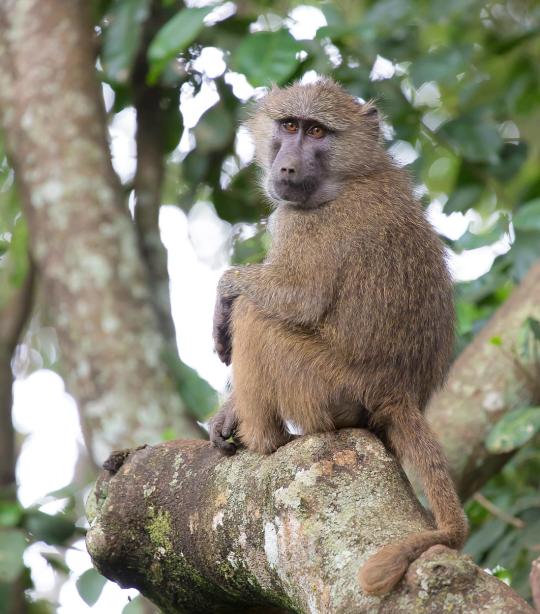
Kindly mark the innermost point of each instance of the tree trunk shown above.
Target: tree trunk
(198, 532)
(485, 382)
(82, 238)
(535, 583)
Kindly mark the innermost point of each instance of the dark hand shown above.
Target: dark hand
(222, 328)
(223, 426)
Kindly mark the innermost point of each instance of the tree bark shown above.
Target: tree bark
(82, 238)
(484, 383)
(198, 532)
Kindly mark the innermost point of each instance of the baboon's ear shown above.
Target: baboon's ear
(370, 115)
(368, 109)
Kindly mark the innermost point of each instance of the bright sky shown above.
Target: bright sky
(196, 244)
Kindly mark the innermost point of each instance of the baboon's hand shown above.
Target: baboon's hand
(222, 328)
(223, 426)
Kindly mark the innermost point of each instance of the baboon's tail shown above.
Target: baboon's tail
(411, 439)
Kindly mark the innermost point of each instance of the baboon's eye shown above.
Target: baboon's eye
(317, 132)
(290, 125)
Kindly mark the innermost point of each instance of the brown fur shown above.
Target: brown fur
(349, 322)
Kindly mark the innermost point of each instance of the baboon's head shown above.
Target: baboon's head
(310, 139)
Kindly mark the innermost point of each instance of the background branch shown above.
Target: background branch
(482, 386)
(14, 315)
(150, 106)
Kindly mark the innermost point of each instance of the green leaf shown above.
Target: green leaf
(267, 57)
(251, 250)
(196, 392)
(333, 15)
(463, 198)
(525, 251)
(15, 264)
(54, 530)
(441, 65)
(122, 37)
(215, 130)
(172, 125)
(241, 201)
(10, 513)
(534, 325)
(474, 137)
(174, 37)
(504, 44)
(503, 574)
(440, 174)
(41, 606)
(527, 342)
(90, 585)
(135, 606)
(503, 551)
(511, 159)
(12, 546)
(484, 539)
(70, 491)
(527, 217)
(471, 240)
(56, 562)
(490, 289)
(513, 430)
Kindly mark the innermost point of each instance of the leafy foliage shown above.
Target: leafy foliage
(514, 430)
(21, 527)
(497, 542)
(122, 37)
(174, 37)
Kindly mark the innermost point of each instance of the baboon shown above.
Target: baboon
(350, 319)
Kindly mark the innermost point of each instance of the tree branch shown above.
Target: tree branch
(485, 383)
(197, 532)
(13, 317)
(83, 241)
(149, 177)
(148, 180)
(497, 511)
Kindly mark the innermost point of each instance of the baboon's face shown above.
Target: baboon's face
(299, 163)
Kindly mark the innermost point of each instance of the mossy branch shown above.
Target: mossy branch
(198, 532)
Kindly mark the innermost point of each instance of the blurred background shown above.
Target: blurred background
(459, 86)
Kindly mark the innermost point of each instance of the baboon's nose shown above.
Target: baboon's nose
(288, 170)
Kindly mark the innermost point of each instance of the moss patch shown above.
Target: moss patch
(159, 529)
